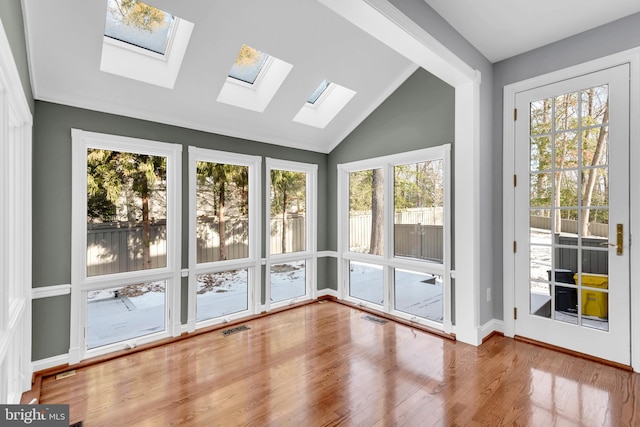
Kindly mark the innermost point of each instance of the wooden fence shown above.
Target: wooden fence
(118, 247)
(569, 226)
(417, 234)
(566, 258)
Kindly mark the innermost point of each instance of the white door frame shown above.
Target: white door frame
(631, 57)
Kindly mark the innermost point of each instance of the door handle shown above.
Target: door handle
(619, 244)
(619, 239)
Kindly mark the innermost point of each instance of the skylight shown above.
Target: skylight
(137, 23)
(319, 91)
(253, 80)
(328, 100)
(248, 64)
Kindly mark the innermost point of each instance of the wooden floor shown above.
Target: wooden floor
(323, 365)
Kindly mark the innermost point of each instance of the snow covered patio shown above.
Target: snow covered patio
(119, 314)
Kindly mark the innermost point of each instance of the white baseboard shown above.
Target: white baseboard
(493, 325)
(50, 362)
(328, 292)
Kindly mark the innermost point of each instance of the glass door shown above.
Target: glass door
(572, 214)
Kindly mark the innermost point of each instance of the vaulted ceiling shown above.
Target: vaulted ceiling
(65, 43)
(65, 39)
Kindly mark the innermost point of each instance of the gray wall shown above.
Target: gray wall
(490, 242)
(419, 114)
(52, 200)
(11, 16)
(608, 39)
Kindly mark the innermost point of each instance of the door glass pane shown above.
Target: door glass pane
(540, 299)
(219, 294)
(419, 294)
(222, 211)
(569, 207)
(419, 210)
(566, 111)
(540, 153)
(126, 212)
(125, 312)
(540, 190)
(288, 211)
(566, 184)
(595, 146)
(566, 300)
(595, 105)
(566, 150)
(366, 282)
(540, 262)
(540, 227)
(595, 309)
(288, 280)
(366, 205)
(540, 123)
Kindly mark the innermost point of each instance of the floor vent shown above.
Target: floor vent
(78, 424)
(65, 374)
(235, 330)
(374, 319)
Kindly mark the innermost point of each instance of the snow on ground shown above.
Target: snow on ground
(112, 316)
(416, 293)
(120, 314)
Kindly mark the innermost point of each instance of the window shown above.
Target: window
(253, 80)
(291, 235)
(322, 87)
(324, 104)
(126, 211)
(394, 234)
(139, 24)
(143, 43)
(125, 242)
(248, 64)
(224, 234)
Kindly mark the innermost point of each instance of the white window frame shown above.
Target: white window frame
(310, 255)
(252, 262)
(81, 284)
(388, 260)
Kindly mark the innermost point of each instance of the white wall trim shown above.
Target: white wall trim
(383, 21)
(50, 362)
(50, 291)
(328, 254)
(15, 229)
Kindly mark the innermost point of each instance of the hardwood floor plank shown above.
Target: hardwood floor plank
(323, 365)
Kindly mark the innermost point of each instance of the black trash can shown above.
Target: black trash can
(566, 298)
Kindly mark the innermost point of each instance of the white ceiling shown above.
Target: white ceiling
(500, 29)
(64, 40)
